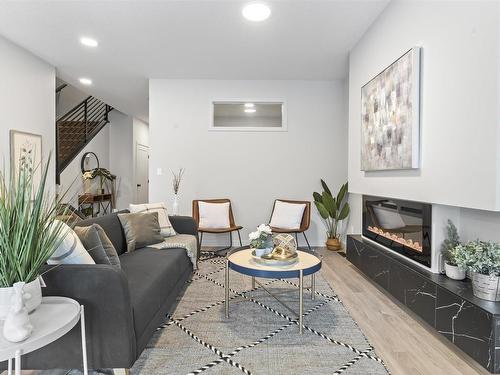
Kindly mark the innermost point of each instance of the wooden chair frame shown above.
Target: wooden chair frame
(232, 226)
(304, 225)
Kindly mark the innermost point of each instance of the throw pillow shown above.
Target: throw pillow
(166, 227)
(110, 250)
(70, 249)
(141, 229)
(287, 215)
(214, 215)
(92, 242)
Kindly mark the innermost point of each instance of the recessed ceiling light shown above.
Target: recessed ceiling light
(85, 81)
(249, 105)
(250, 110)
(256, 11)
(89, 42)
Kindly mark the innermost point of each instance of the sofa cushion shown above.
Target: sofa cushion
(152, 274)
(112, 227)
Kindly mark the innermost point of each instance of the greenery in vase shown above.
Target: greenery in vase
(29, 233)
(103, 174)
(262, 238)
(332, 209)
(479, 256)
(450, 243)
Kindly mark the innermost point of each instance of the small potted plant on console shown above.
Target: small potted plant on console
(449, 251)
(482, 259)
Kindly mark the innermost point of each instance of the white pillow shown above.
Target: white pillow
(214, 215)
(71, 249)
(166, 229)
(287, 215)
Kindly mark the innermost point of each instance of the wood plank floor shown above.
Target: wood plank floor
(407, 344)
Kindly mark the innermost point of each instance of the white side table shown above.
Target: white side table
(55, 317)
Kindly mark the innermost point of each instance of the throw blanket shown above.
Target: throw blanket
(183, 241)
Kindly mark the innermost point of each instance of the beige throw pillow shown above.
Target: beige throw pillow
(166, 227)
(141, 229)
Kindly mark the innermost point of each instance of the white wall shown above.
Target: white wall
(140, 137)
(459, 101)
(69, 97)
(459, 111)
(27, 99)
(121, 157)
(250, 168)
(71, 178)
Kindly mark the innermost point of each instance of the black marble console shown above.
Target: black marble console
(471, 323)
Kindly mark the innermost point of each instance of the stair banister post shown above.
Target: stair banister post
(85, 119)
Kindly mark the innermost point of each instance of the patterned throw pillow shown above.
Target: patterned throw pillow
(166, 228)
(70, 250)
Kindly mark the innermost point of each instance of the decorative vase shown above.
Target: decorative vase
(175, 205)
(333, 244)
(454, 272)
(264, 251)
(486, 286)
(32, 297)
(17, 326)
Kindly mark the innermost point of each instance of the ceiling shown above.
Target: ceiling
(138, 40)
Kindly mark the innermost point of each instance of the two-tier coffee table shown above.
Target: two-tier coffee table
(242, 261)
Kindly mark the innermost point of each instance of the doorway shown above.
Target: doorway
(142, 173)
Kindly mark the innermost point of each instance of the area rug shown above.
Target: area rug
(260, 336)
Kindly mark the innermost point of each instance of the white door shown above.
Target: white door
(142, 173)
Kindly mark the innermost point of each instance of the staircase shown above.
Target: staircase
(77, 128)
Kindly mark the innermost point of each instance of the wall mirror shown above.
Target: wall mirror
(248, 115)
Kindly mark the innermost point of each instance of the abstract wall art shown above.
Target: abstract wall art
(390, 125)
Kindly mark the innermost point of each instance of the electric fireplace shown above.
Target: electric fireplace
(400, 225)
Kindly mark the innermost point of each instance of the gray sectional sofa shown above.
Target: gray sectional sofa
(123, 307)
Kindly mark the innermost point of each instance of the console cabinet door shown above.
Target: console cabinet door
(467, 326)
(414, 291)
(371, 261)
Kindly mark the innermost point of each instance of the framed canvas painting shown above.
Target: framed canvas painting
(28, 145)
(390, 116)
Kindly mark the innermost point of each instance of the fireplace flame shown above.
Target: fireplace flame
(414, 245)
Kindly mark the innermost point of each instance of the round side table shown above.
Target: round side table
(55, 317)
(242, 261)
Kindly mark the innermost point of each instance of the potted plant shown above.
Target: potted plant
(448, 249)
(482, 259)
(332, 210)
(29, 233)
(262, 240)
(103, 174)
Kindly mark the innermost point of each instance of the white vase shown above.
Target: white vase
(454, 272)
(175, 205)
(32, 297)
(262, 252)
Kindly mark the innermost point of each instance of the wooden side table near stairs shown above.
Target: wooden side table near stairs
(87, 203)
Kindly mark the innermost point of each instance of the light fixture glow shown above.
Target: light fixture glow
(256, 11)
(85, 81)
(250, 110)
(88, 42)
(249, 105)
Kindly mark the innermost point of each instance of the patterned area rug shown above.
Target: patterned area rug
(261, 336)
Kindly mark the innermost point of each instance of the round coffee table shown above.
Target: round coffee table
(242, 261)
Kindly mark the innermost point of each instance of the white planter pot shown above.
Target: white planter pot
(32, 296)
(454, 272)
(261, 252)
(175, 205)
(486, 287)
